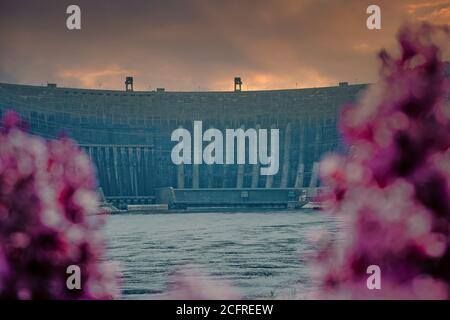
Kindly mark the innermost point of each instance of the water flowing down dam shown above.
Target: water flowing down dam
(127, 134)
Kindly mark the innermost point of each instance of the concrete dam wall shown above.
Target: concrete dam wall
(128, 134)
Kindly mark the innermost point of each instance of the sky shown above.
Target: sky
(201, 45)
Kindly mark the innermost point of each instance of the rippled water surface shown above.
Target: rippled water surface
(262, 254)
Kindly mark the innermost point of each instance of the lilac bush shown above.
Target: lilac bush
(48, 203)
(392, 190)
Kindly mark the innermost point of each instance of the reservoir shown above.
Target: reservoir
(261, 254)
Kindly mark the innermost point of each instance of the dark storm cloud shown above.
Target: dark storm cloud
(191, 45)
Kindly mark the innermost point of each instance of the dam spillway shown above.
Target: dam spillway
(127, 134)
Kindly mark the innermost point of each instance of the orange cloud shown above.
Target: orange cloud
(433, 11)
(96, 77)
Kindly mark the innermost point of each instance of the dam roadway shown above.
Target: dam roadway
(127, 133)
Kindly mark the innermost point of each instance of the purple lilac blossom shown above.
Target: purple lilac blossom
(392, 190)
(48, 221)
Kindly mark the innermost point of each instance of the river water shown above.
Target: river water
(262, 254)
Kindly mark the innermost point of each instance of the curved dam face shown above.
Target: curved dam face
(128, 134)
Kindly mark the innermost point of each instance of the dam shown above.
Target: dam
(127, 134)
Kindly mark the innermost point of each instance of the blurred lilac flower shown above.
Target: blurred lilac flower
(393, 189)
(47, 222)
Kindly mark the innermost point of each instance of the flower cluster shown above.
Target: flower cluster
(48, 204)
(392, 190)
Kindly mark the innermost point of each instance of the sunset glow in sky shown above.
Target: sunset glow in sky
(201, 44)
